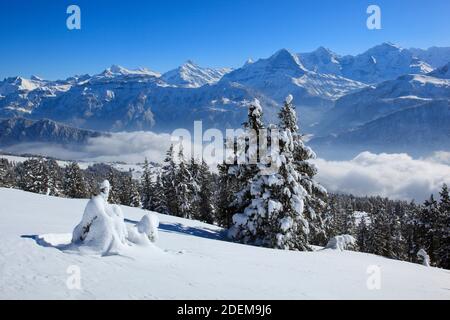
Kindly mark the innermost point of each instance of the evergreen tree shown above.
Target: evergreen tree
(362, 236)
(274, 214)
(147, 187)
(74, 184)
(55, 178)
(428, 228)
(34, 176)
(183, 189)
(7, 174)
(194, 187)
(129, 195)
(443, 229)
(115, 183)
(158, 201)
(168, 175)
(315, 198)
(380, 234)
(206, 209)
(227, 188)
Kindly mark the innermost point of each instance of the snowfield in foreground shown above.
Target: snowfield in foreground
(190, 261)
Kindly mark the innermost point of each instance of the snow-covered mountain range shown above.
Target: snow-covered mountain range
(20, 130)
(409, 114)
(380, 63)
(332, 93)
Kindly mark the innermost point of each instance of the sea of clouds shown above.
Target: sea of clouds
(397, 176)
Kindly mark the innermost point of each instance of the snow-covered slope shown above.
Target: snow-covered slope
(191, 261)
(191, 75)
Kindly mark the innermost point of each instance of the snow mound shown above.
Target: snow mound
(103, 230)
(149, 226)
(341, 243)
(422, 254)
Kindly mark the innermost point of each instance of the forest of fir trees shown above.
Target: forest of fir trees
(285, 208)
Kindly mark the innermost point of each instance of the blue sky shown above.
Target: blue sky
(162, 34)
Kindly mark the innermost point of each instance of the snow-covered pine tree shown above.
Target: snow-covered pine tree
(428, 225)
(147, 187)
(380, 234)
(115, 183)
(34, 176)
(194, 187)
(74, 184)
(158, 202)
(349, 221)
(129, 195)
(7, 176)
(443, 252)
(55, 178)
(243, 172)
(183, 189)
(227, 188)
(271, 189)
(206, 209)
(315, 199)
(397, 239)
(362, 235)
(168, 174)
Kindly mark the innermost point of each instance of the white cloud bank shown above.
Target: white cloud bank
(397, 176)
(130, 147)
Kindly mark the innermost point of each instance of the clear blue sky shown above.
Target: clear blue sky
(162, 34)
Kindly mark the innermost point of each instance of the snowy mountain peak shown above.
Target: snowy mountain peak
(248, 62)
(116, 70)
(191, 75)
(285, 59)
(36, 78)
(324, 52)
(321, 60)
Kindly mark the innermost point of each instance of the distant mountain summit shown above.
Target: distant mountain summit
(191, 75)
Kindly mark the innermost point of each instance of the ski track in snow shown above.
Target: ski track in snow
(191, 260)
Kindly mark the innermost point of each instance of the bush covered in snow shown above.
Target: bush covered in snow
(103, 230)
(424, 257)
(343, 242)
